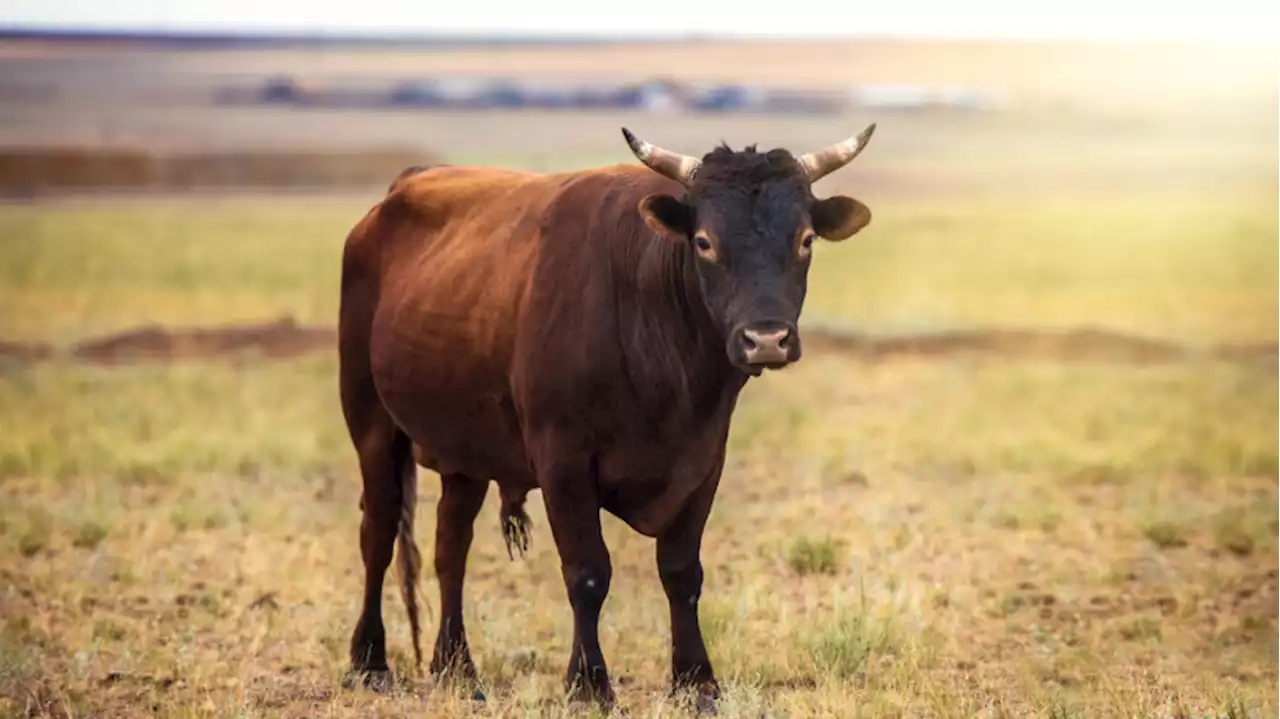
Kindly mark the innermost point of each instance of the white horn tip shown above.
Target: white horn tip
(866, 134)
(641, 148)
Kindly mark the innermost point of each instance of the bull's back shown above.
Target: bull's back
(456, 246)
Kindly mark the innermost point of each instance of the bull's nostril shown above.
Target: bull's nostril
(782, 342)
(747, 342)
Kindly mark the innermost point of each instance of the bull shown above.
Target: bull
(586, 334)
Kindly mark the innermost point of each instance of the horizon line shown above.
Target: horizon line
(498, 36)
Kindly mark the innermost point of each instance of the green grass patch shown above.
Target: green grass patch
(67, 272)
(1197, 268)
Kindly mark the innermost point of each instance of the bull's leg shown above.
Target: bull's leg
(680, 568)
(460, 501)
(573, 510)
(384, 455)
(386, 469)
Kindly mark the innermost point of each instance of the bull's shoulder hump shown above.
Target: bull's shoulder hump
(442, 183)
(455, 191)
(603, 193)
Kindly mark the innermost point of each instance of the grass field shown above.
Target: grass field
(916, 537)
(954, 536)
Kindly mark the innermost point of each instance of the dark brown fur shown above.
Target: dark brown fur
(536, 331)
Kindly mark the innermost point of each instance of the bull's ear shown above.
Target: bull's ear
(839, 217)
(666, 215)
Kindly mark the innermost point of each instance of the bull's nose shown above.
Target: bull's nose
(769, 344)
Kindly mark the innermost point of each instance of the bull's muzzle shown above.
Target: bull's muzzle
(765, 345)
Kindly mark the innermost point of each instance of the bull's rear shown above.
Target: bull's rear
(431, 279)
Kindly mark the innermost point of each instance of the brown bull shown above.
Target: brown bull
(585, 334)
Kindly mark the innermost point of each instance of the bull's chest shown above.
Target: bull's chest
(646, 484)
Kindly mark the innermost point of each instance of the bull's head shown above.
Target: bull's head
(749, 220)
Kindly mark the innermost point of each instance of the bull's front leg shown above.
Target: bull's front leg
(573, 510)
(680, 568)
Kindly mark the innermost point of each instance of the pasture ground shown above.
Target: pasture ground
(930, 536)
(955, 535)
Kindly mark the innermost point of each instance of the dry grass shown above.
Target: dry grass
(69, 274)
(928, 537)
(977, 534)
(950, 537)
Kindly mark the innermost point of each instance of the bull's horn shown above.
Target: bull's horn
(680, 168)
(819, 164)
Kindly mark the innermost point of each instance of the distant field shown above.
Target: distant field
(1195, 269)
(162, 99)
(949, 536)
(1125, 76)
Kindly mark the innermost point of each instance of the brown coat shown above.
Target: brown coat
(583, 333)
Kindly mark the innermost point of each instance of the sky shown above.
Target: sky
(996, 19)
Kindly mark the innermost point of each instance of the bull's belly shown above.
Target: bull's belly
(455, 437)
(455, 406)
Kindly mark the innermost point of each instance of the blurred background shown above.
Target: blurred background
(1028, 468)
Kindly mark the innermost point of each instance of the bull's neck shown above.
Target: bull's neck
(663, 316)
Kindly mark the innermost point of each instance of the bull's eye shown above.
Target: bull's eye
(807, 242)
(703, 244)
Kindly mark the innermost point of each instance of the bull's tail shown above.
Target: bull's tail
(409, 559)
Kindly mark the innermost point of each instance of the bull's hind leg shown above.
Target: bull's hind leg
(385, 465)
(461, 498)
(388, 497)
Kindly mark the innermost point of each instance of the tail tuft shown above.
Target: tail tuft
(408, 557)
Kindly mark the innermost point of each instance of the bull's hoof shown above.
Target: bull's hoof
(593, 710)
(705, 696)
(581, 706)
(459, 674)
(585, 698)
(460, 684)
(377, 680)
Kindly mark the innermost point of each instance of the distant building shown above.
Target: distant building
(915, 97)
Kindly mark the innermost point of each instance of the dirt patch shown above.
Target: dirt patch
(285, 338)
(33, 171)
(279, 339)
(25, 352)
(1076, 344)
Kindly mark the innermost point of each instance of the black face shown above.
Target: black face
(750, 222)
